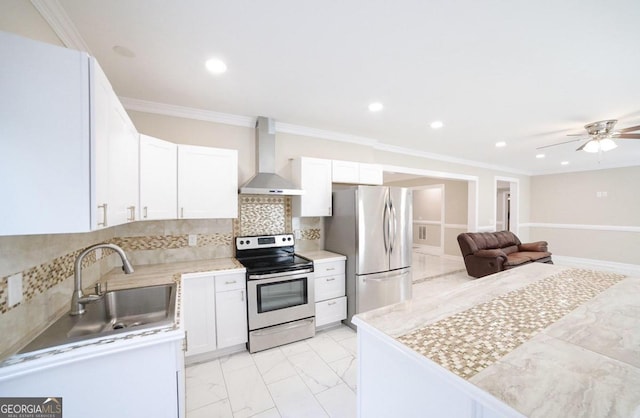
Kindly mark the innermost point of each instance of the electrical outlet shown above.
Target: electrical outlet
(14, 289)
(193, 240)
(298, 234)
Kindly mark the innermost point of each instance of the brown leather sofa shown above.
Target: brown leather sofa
(490, 252)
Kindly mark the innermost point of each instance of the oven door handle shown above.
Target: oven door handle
(279, 328)
(282, 274)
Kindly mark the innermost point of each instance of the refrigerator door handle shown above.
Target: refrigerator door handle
(385, 227)
(394, 222)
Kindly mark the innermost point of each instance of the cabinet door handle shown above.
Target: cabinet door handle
(104, 214)
(242, 295)
(331, 303)
(331, 268)
(186, 341)
(228, 282)
(144, 211)
(331, 279)
(132, 213)
(182, 212)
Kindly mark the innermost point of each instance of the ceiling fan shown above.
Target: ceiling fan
(600, 136)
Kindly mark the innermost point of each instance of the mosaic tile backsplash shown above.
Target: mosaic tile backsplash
(46, 279)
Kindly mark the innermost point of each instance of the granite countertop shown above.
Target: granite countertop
(322, 255)
(157, 274)
(546, 340)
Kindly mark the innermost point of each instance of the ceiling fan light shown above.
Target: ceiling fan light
(607, 144)
(592, 146)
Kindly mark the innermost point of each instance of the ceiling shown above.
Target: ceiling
(526, 73)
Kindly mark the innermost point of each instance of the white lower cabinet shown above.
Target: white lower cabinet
(329, 286)
(231, 310)
(199, 312)
(214, 311)
(127, 378)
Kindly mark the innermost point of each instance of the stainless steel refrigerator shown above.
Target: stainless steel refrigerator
(372, 226)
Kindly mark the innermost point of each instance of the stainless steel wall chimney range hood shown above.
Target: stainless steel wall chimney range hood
(266, 181)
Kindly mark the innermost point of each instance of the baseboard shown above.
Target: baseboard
(588, 263)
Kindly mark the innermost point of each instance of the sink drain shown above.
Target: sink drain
(121, 325)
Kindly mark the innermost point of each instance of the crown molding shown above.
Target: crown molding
(439, 157)
(187, 112)
(245, 121)
(54, 14)
(320, 133)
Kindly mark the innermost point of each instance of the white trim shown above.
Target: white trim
(622, 268)
(487, 228)
(54, 14)
(323, 134)
(428, 222)
(440, 157)
(600, 166)
(456, 226)
(616, 228)
(187, 112)
(428, 173)
(230, 119)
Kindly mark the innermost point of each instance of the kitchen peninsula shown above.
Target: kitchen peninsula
(537, 341)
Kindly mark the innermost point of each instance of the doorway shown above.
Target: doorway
(506, 204)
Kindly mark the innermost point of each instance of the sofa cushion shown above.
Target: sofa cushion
(516, 259)
(535, 256)
(510, 249)
(533, 246)
(506, 238)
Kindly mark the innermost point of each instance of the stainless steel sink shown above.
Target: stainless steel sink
(116, 312)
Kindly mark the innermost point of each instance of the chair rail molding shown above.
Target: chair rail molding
(616, 228)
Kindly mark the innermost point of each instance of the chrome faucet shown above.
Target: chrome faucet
(79, 299)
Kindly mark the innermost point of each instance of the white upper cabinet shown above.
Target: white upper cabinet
(158, 179)
(68, 146)
(313, 176)
(116, 157)
(207, 182)
(356, 173)
(370, 174)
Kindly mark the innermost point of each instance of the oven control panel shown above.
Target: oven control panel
(264, 241)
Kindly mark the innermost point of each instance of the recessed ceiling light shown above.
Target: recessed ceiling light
(436, 124)
(540, 155)
(501, 144)
(565, 163)
(216, 66)
(376, 107)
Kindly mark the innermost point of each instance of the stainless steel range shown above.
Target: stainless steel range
(280, 291)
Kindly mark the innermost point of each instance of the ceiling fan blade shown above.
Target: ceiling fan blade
(559, 143)
(582, 146)
(627, 136)
(629, 129)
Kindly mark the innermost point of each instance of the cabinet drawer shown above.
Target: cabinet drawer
(328, 269)
(332, 310)
(329, 287)
(228, 282)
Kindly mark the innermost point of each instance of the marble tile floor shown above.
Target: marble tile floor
(310, 378)
(428, 266)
